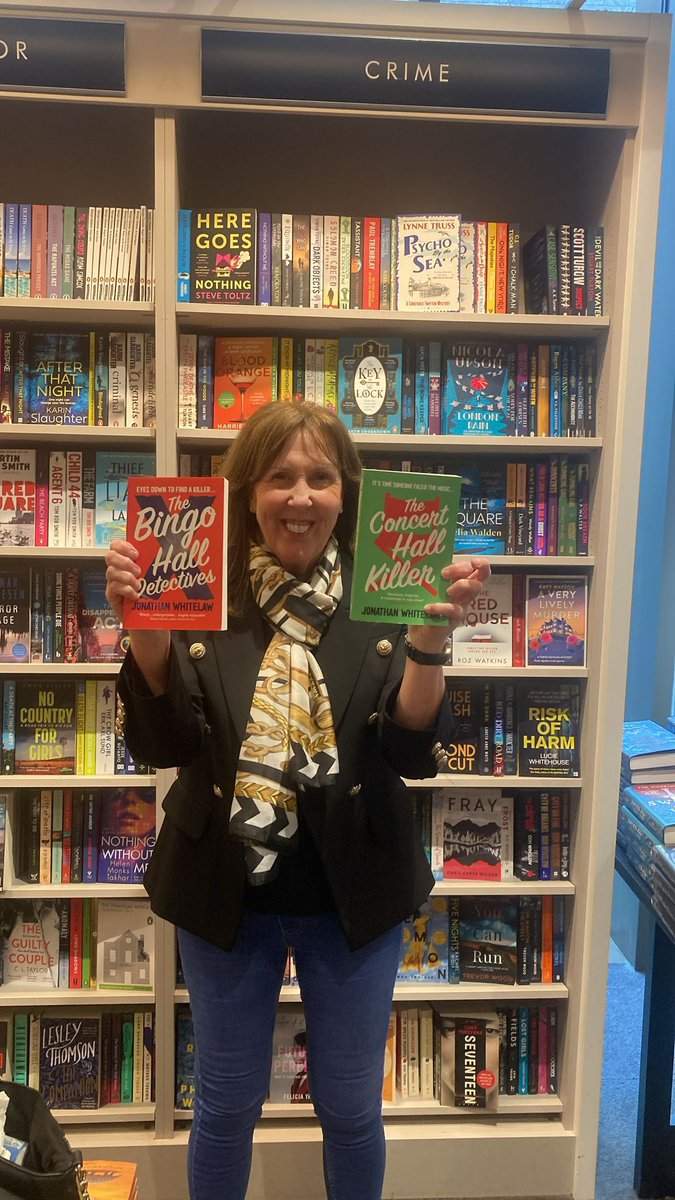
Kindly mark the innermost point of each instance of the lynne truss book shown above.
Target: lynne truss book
(179, 527)
(15, 615)
(427, 263)
(369, 384)
(405, 536)
(424, 957)
(468, 1041)
(476, 391)
(113, 472)
(60, 379)
(472, 835)
(556, 621)
(17, 498)
(70, 1060)
(126, 835)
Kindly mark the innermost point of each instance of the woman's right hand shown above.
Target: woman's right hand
(122, 576)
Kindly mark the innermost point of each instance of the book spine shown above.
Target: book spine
(513, 290)
(205, 345)
(57, 498)
(68, 259)
(502, 269)
(579, 270)
(105, 723)
(345, 261)
(541, 508)
(286, 259)
(90, 838)
(89, 498)
(371, 262)
(9, 272)
(73, 514)
(80, 254)
(23, 263)
(38, 252)
(356, 263)
(316, 261)
(117, 380)
(331, 262)
(21, 356)
(301, 262)
(76, 842)
(76, 930)
(67, 841)
(150, 381)
(187, 381)
(264, 259)
(135, 369)
(385, 264)
(137, 1087)
(42, 498)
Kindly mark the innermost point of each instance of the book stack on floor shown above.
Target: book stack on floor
(108, 1180)
(647, 799)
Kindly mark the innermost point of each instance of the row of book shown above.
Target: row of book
(66, 498)
(646, 818)
(488, 834)
(68, 835)
(62, 727)
(381, 384)
(411, 263)
(82, 1062)
(106, 944)
(65, 252)
(514, 1051)
(97, 378)
(57, 615)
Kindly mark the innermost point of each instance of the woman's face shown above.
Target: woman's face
(296, 504)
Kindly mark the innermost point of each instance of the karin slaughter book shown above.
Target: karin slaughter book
(405, 536)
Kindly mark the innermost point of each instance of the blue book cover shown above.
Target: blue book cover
(11, 249)
(59, 383)
(422, 388)
(523, 1051)
(205, 381)
(264, 258)
(664, 862)
(424, 955)
(670, 724)
(112, 478)
(481, 521)
(184, 242)
(635, 837)
(646, 744)
(555, 398)
(369, 384)
(476, 392)
(185, 1059)
(23, 250)
(654, 806)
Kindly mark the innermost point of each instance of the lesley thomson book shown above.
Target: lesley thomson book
(179, 527)
(405, 536)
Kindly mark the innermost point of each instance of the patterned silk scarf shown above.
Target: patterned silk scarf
(290, 740)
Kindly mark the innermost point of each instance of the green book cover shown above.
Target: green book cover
(405, 536)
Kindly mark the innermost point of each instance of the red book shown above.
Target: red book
(371, 262)
(179, 527)
(75, 973)
(38, 252)
(67, 835)
(501, 284)
(518, 619)
(42, 498)
(116, 1058)
(541, 508)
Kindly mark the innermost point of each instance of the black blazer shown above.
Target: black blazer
(362, 827)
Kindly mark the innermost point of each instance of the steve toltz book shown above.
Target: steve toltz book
(179, 527)
(405, 537)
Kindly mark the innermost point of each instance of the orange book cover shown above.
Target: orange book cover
(501, 281)
(109, 1180)
(547, 939)
(244, 378)
(543, 390)
(389, 1083)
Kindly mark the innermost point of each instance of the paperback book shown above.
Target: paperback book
(29, 930)
(15, 615)
(468, 1051)
(405, 536)
(45, 727)
(556, 621)
(127, 834)
(549, 730)
(424, 957)
(472, 835)
(102, 637)
(486, 637)
(113, 472)
(125, 951)
(655, 807)
(244, 378)
(481, 519)
(185, 1059)
(69, 1060)
(476, 395)
(17, 498)
(289, 1081)
(487, 940)
(60, 379)
(223, 256)
(369, 384)
(179, 527)
(427, 263)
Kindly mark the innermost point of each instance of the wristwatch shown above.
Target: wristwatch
(426, 658)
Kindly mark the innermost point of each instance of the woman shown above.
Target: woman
(289, 823)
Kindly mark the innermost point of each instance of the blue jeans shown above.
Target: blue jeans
(347, 1000)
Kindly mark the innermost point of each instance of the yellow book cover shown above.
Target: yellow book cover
(491, 299)
(90, 693)
(286, 368)
(543, 390)
(110, 1180)
(331, 363)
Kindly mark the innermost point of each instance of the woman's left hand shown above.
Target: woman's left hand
(465, 581)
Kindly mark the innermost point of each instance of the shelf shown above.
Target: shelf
(75, 312)
(477, 326)
(506, 782)
(74, 781)
(507, 887)
(453, 672)
(72, 434)
(113, 1114)
(420, 443)
(81, 553)
(435, 992)
(511, 1105)
(32, 668)
(88, 891)
(38, 998)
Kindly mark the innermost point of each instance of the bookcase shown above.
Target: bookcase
(161, 145)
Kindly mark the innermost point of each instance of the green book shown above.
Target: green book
(405, 536)
(127, 1085)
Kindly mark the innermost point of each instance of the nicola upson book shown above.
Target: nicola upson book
(179, 527)
(405, 536)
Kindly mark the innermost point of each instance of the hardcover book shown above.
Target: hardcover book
(289, 1082)
(646, 744)
(405, 535)
(179, 527)
(427, 263)
(113, 472)
(556, 621)
(69, 1060)
(126, 834)
(108, 1180)
(369, 384)
(548, 730)
(476, 391)
(472, 835)
(487, 940)
(45, 727)
(486, 638)
(424, 956)
(60, 379)
(15, 615)
(125, 951)
(468, 1045)
(244, 378)
(223, 256)
(17, 498)
(655, 807)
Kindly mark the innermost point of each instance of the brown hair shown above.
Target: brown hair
(256, 447)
